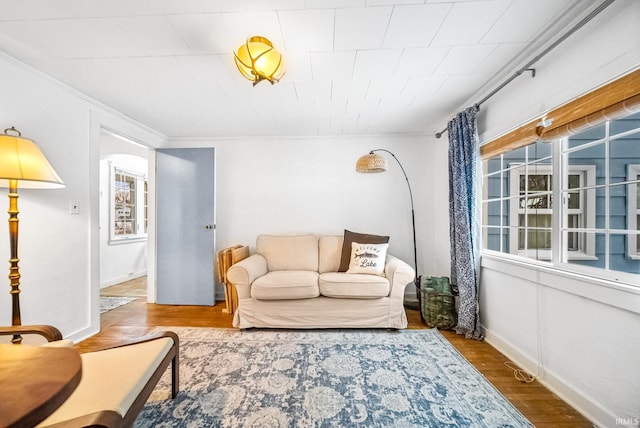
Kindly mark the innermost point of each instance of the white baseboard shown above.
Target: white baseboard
(591, 410)
(122, 279)
(83, 334)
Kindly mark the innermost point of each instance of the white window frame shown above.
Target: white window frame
(633, 211)
(588, 179)
(587, 210)
(139, 206)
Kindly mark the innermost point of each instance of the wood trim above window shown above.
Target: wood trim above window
(613, 100)
(615, 111)
(515, 139)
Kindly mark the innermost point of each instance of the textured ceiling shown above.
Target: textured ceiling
(354, 67)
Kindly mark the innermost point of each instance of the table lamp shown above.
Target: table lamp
(21, 164)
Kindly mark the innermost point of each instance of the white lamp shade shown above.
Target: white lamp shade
(22, 160)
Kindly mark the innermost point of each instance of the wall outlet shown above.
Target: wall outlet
(74, 207)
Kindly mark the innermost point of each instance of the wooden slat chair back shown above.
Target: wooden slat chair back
(226, 258)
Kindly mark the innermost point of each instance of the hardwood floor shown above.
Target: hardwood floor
(538, 404)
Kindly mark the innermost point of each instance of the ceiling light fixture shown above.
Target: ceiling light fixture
(257, 60)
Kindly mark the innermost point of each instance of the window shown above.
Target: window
(595, 227)
(531, 205)
(532, 215)
(518, 202)
(129, 206)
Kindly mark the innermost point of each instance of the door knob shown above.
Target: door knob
(208, 226)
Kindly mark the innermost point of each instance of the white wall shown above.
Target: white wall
(578, 334)
(301, 185)
(59, 252)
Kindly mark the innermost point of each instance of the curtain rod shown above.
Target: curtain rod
(528, 66)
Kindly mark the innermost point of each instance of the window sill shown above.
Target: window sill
(131, 240)
(613, 293)
(545, 255)
(581, 256)
(536, 255)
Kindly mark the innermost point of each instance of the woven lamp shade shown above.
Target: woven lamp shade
(371, 163)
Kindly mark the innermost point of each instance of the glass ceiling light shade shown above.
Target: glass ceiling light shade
(21, 164)
(257, 60)
(371, 163)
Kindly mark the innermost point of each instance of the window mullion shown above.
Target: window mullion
(526, 202)
(557, 224)
(501, 210)
(607, 204)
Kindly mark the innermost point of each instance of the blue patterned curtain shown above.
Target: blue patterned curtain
(463, 219)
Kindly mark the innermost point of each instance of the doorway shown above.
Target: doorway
(123, 195)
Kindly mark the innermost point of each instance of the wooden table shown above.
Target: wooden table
(35, 381)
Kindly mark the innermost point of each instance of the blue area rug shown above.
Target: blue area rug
(335, 378)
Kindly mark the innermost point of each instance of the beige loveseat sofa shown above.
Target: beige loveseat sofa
(293, 282)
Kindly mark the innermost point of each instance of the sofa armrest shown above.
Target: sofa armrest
(399, 273)
(243, 273)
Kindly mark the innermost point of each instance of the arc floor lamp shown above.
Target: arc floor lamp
(21, 162)
(374, 163)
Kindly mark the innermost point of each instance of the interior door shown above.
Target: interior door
(185, 226)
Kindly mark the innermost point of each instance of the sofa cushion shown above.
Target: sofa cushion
(286, 285)
(330, 248)
(360, 238)
(353, 285)
(289, 252)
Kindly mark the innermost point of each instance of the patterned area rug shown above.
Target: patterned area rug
(109, 303)
(335, 378)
